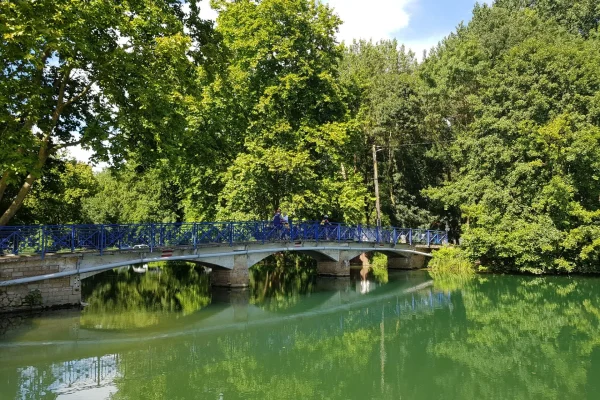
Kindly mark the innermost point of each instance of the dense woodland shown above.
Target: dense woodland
(495, 133)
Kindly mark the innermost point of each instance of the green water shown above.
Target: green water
(166, 335)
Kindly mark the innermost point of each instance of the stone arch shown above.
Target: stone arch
(207, 264)
(321, 255)
(255, 258)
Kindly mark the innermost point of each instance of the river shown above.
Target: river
(165, 334)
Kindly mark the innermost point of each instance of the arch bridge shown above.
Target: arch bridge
(53, 259)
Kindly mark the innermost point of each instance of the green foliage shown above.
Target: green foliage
(289, 113)
(526, 159)
(60, 194)
(450, 260)
(111, 76)
(386, 106)
(33, 298)
(129, 196)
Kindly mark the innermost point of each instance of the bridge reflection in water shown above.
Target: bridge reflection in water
(235, 332)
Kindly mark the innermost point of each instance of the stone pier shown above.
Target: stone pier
(336, 268)
(42, 294)
(238, 276)
(413, 261)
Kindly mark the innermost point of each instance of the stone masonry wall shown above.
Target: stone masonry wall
(47, 293)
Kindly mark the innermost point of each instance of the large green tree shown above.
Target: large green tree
(110, 76)
(288, 121)
(526, 161)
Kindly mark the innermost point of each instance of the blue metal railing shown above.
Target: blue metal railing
(43, 239)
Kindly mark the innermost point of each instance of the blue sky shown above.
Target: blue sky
(430, 18)
(420, 24)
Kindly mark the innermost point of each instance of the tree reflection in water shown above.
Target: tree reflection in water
(492, 337)
(279, 282)
(123, 299)
(523, 337)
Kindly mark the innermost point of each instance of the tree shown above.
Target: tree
(134, 195)
(59, 196)
(580, 17)
(386, 102)
(289, 119)
(526, 159)
(110, 76)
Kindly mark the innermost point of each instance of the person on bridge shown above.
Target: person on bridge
(277, 219)
(278, 223)
(327, 225)
(286, 220)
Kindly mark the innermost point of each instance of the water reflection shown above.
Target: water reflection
(139, 296)
(492, 337)
(279, 286)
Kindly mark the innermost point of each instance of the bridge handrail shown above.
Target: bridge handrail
(43, 239)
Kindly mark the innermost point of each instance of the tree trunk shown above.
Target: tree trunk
(26, 188)
(3, 183)
(18, 201)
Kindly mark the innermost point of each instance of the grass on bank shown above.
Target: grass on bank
(451, 269)
(451, 260)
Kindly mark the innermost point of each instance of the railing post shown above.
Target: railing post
(195, 235)
(428, 238)
(395, 237)
(101, 241)
(161, 235)
(377, 234)
(316, 231)
(410, 236)
(339, 229)
(72, 238)
(16, 247)
(152, 233)
(359, 230)
(231, 227)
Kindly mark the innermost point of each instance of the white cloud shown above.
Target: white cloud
(376, 19)
(206, 12)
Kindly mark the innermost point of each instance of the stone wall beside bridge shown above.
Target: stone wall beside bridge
(61, 291)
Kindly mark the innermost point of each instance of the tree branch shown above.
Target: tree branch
(65, 145)
(30, 120)
(61, 94)
(80, 95)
